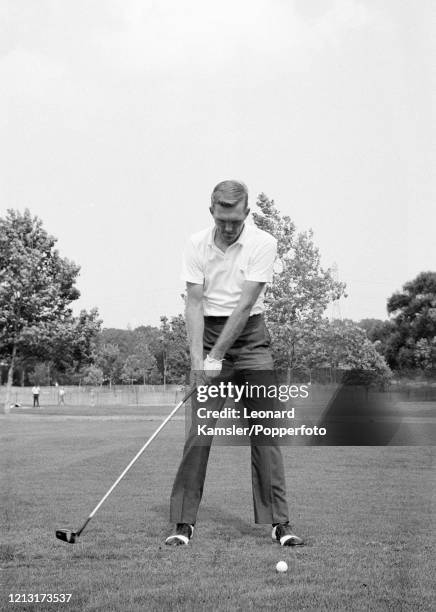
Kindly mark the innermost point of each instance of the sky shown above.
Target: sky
(118, 117)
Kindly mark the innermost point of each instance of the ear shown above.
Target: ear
(247, 212)
(211, 210)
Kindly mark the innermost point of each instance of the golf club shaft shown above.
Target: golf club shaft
(135, 458)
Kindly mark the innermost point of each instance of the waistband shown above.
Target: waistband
(211, 319)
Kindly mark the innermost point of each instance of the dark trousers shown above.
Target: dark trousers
(36, 401)
(247, 360)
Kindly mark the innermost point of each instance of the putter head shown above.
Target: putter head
(66, 535)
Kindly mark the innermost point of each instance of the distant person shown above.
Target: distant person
(35, 392)
(61, 396)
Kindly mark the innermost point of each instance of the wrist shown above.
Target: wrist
(216, 354)
(197, 363)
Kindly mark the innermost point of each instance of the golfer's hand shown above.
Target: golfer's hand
(212, 367)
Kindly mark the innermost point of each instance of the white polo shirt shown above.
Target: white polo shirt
(222, 275)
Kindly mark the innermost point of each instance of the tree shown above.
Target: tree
(127, 340)
(377, 332)
(411, 343)
(425, 354)
(175, 360)
(343, 345)
(301, 289)
(71, 346)
(131, 371)
(40, 374)
(84, 334)
(124, 339)
(146, 360)
(93, 376)
(108, 359)
(37, 285)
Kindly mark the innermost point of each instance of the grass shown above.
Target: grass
(365, 513)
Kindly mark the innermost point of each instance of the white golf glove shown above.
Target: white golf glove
(212, 366)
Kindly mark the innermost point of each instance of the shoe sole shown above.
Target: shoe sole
(177, 540)
(289, 537)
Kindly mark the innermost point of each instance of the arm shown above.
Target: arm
(195, 324)
(237, 320)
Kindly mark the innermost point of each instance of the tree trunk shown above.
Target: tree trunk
(10, 379)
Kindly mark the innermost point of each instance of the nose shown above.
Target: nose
(228, 228)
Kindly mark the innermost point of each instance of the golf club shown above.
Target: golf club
(66, 535)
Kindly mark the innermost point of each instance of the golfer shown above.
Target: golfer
(226, 268)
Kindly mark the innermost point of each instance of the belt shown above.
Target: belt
(211, 319)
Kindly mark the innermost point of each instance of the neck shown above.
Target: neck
(223, 246)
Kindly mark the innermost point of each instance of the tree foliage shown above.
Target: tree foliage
(301, 289)
(174, 349)
(377, 331)
(37, 285)
(72, 346)
(131, 371)
(147, 363)
(344, 345)
(108, 359)
(411, 343)
(40, 375)
(93, 376)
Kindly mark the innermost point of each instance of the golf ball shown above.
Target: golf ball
(282, 566)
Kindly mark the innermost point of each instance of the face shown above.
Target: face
(229, 221)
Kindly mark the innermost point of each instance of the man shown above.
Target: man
(226, 269)
(61, 398)
(35, 393)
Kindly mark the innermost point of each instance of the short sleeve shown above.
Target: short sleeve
(261, 264)
(192, 270)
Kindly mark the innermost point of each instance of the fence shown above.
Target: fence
(155, 395)
(146, 395)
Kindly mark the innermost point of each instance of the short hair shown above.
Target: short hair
(230, 193)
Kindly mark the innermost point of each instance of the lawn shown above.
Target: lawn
(365, 512)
